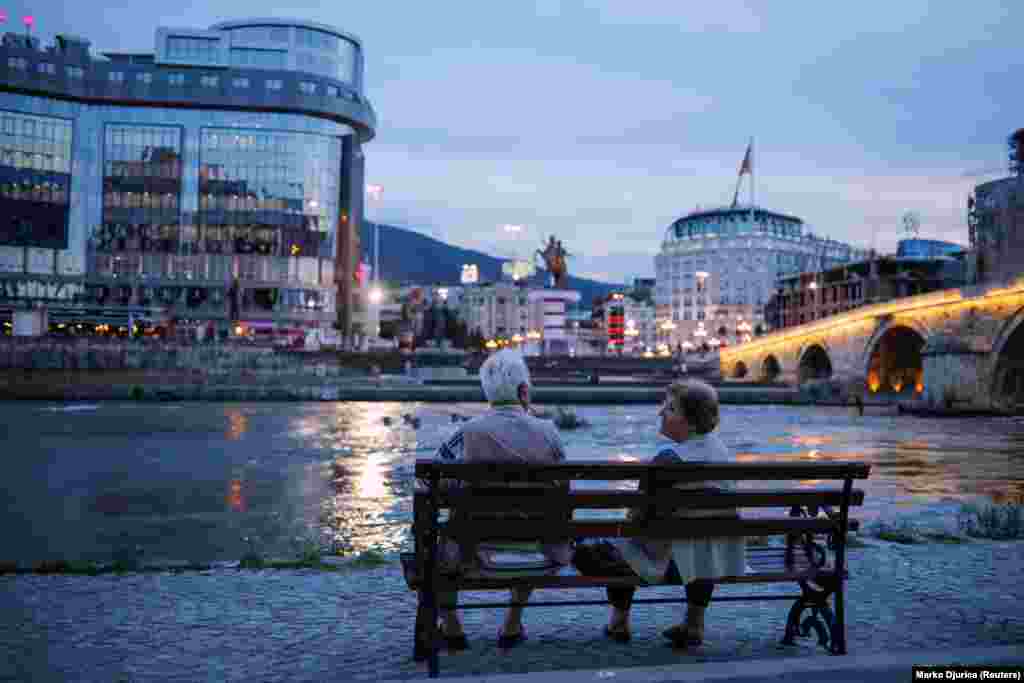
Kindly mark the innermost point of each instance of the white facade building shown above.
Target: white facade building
(533, 319)
(718, 268)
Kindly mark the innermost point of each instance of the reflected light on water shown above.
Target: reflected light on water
(371, 481)
(235, 498)
(238, 424)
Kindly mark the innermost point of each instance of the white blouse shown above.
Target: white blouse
(695, 558)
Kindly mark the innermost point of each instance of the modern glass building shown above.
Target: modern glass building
(215, 182)
(718, 268)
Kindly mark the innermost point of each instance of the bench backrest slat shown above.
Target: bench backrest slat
(552, 529)
(496, 499)
(606, 471)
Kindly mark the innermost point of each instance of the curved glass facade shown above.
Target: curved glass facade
(185, 213)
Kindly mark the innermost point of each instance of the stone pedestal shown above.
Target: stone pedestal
(548, 310)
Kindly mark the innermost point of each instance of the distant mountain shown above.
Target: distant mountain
(410, 257)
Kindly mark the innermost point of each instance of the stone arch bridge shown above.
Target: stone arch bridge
(954, 349)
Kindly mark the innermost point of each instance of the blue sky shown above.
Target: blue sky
(601, 121)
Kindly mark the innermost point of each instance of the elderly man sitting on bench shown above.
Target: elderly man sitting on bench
(506, 434)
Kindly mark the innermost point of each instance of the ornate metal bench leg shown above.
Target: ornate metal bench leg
(820, 618)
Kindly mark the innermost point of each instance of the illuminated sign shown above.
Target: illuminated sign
(518, 270)
(470, 274)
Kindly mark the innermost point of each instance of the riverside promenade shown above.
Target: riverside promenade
(931, 603)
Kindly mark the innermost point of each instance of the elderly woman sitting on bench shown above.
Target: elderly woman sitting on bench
(688, 417)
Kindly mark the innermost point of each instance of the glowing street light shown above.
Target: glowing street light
(376, 295)
(512, 228)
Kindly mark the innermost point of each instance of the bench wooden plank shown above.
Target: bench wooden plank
(516, 530)
(597, 470)
(496, 500)
(772, 570)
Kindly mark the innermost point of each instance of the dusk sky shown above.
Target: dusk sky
(602, 121)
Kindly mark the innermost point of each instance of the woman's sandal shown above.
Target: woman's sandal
(452, 643)
(619, 635)
(682, 637)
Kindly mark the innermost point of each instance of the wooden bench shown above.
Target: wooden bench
(813, 522)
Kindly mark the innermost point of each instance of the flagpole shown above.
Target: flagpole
(752, 171)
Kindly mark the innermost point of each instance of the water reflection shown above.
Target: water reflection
(193, 482)
(238, 423)
(236, 501)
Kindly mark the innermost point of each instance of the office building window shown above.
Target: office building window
(74, 72)
(260, 195)
(307, 88)
(46, 68)
(264, 59)
(260, 34)
(209, 81)
(142, 180)
(144, 78)
(240, 83)
(176, 79)
(19, 63)
(35, 180)
(192, 49)
(274, 84)
(116, 77)
(332, 91)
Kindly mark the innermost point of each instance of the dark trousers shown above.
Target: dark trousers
(604, 559)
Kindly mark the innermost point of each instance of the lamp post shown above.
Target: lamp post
(700, 333)
(666, 327)
(375, 192)
(375, 295)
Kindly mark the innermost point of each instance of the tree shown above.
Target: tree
(461, 338)
(476, 340)
(1016, 143)
(450, 324)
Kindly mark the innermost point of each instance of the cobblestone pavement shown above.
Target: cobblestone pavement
(227, 625)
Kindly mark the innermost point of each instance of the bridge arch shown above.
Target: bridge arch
(1008, 355)
(814, 364)
(770, 368)
(894, 359)
(739, 371)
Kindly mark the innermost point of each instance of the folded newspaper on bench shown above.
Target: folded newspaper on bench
(512, 559)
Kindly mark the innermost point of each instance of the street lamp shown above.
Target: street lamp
(375, 192)
(744, 329)
(376, 295)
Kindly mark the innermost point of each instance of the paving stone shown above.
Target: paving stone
(228, 625)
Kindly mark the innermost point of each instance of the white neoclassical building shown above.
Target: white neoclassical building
(718, 268)
(532, 318)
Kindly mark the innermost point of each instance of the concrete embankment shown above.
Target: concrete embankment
(125, 386)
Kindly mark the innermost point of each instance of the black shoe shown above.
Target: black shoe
(456, 643)
(619, 635)
(506, 642)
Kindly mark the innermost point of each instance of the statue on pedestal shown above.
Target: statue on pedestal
(554, 260)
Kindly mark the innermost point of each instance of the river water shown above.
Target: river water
(212, 481)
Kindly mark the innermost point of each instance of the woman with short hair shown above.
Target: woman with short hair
(689, 417)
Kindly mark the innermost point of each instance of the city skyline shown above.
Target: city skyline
(591, 122)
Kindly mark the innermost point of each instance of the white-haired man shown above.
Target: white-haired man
(506, 434)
